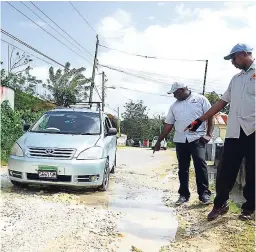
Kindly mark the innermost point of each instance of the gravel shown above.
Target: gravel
(30, 222)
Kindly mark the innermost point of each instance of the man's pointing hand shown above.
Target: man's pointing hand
(194, 125)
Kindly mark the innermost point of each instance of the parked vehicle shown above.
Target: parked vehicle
(163, 143)
(66, 146)
(137, 143)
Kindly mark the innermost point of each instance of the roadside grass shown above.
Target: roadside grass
(226, 233)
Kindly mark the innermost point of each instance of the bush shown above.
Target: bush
(170, 144)
(12, 126)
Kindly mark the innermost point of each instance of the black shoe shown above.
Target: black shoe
(216, 212)
(246, 215)
(181, 200)
(205, 199)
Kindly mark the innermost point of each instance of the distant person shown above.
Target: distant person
(240, 136)
(189, 105)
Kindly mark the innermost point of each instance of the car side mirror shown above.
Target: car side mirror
(112, 131)
(26, 127)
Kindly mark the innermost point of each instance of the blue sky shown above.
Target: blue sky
(190, 30)
(64, 15)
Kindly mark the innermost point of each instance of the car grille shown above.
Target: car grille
(60, 178)
(55, 153)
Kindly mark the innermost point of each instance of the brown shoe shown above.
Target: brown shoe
(246, 215)
(216, 212)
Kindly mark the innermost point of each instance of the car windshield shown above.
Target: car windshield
(68, 122)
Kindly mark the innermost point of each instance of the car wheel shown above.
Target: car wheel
(113, 168)
(165, 148)
(18, 184)
(105, 182)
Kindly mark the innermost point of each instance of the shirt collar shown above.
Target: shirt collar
(252, 66)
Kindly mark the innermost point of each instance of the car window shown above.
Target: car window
(68, 122)
(105, 126)
(108, 122)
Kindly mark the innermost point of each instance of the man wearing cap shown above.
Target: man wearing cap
(189, 105)
(240, 136)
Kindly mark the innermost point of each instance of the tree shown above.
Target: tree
(68, 86)
(137, 124)
(17, 60)
(135, 120)
(213, 98)
(21, 80)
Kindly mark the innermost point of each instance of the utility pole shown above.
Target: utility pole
(160, 130)
(205, 74)
(103, 91)
(9, 59)
(118, 122)
(93, 69)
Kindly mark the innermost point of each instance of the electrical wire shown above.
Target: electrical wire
(26, 52)
(150, 57)
(47, 32)
(83, 17)
(164, 83)
(51, 26)
(97, 91)
(136, 90)
(61, 28)
(30, 47)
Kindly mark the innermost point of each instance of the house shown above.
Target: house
(220, 126)
(218, 136)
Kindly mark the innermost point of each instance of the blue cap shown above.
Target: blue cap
(238, 48)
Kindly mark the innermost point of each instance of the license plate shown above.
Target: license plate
(47, 172)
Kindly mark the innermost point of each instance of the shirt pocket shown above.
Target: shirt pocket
(251, 87)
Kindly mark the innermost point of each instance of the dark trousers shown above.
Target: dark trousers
(234, 152)
(184, 152)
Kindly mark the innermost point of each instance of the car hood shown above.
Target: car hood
(79, 142)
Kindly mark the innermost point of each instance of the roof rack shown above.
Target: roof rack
(87, 105)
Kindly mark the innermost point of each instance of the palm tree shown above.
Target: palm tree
(67, 86)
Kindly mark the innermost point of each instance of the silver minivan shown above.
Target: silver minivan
(66, 146)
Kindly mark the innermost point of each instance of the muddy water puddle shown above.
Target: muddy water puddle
(147, 223)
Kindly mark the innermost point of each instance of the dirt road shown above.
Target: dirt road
(137, 213)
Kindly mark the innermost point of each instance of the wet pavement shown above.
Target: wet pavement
(143, 222)
(147, 223)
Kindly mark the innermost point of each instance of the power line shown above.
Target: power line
(52, 27)
(30, 47)
(46, 31)
(136, 90)
(61, 28)
(98, 92)
(26, 51)
(142, 77)
(82, 17)
(150, 57)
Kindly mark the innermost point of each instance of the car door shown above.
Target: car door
(112, 144)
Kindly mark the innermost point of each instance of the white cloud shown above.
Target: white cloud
(207, 35)
(32, 25)
(160, 4)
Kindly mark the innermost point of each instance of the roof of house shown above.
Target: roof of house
(220, 119)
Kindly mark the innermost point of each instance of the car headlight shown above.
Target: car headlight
(17, 151)
(91, 153)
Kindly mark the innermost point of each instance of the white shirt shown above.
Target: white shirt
(182, 113)
(241, 96)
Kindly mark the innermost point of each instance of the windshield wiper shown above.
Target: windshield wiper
(90, 134)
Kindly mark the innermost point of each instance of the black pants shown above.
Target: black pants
(184, 152)
(234, 152)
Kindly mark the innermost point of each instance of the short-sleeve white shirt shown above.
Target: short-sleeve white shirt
(241, 96)
(182, 113)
